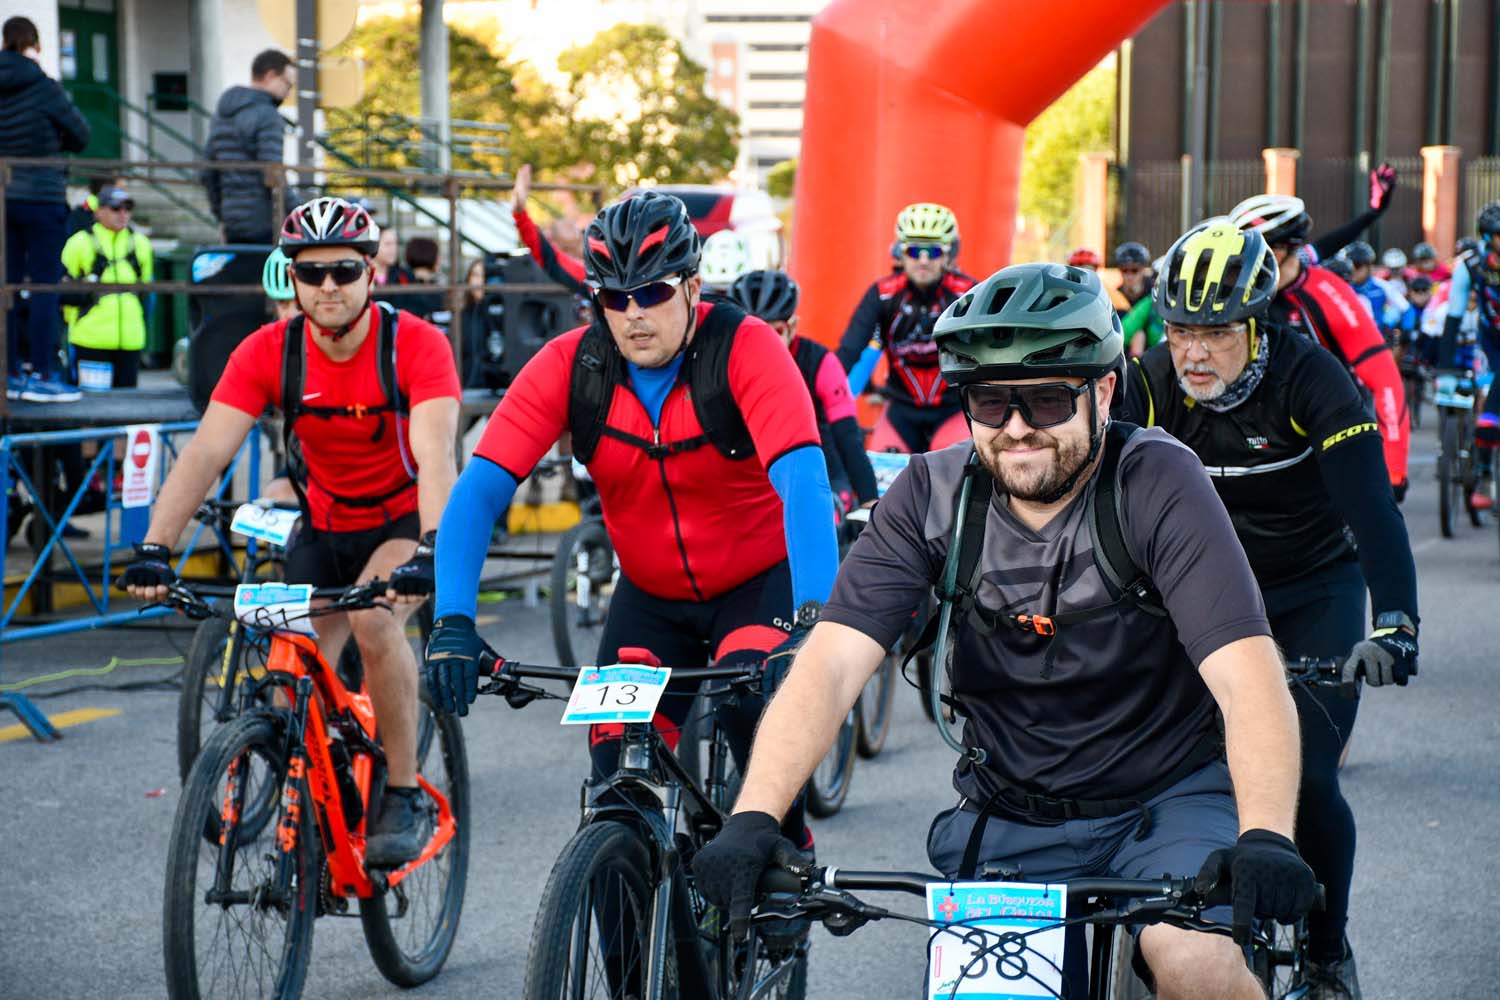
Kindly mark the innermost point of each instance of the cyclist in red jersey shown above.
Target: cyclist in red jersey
(561, 267)
(895, 318)
(694, 425)
(377, 472)
(772, 296)
(1321, 305)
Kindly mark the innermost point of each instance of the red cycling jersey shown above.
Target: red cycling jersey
(344, 456)
(561, 267)
(900, 316)
(691, 525)
(1321, 304)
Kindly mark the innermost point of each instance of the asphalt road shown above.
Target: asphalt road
(84, 823)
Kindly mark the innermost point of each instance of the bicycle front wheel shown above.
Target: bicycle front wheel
(232, 925)
(410, 929)
(593, 929)
(583, 577)
(873, 711)
(221, 654)
(829, 785)
(1447, 472)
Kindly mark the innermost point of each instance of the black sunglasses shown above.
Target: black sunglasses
(343, 272)
(1042, 404)
(646, 296)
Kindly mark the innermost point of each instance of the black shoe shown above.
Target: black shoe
(402, 829)
(1329, 981)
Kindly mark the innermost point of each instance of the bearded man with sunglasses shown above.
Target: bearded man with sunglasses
(1296, 457)
(1090, 746)
(696, 427)
(894, 319)
(372, 472)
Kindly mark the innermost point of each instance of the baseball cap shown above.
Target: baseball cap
(116, 197)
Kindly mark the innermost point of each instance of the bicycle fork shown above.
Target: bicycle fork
(289, 824)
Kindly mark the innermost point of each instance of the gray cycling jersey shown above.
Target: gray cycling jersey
(1121, 705)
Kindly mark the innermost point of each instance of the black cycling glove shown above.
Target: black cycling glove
(417, 577)
(779, 660)
(1399, 490)
(451, 667)
(1388, 656)
(1267, 878)
(151, 567)
(728, 870)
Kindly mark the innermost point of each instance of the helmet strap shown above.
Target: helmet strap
(343, 331)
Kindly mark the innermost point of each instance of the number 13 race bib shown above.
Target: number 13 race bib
(625, 692)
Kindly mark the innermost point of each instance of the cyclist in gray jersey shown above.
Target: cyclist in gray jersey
(1089, 746)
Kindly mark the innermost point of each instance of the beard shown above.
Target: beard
(1036, 485)
(1202, 395)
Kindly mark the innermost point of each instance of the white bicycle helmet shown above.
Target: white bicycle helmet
(1280, 218)
(726, 256)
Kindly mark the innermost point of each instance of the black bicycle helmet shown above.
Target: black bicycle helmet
(1340, 266)
(1425, 251)
(771, 295)
(1488, 222)
(1468, 245)
(1216, 275)
(1132, 254)
(329, 222)
(1359, 254)
(642, 239)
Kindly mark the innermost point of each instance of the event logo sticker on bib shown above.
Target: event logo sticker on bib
(994, 948)
(624, 692)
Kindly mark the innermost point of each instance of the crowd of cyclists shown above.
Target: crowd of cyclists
(1135, 502)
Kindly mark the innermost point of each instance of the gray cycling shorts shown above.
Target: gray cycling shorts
(1188, 821)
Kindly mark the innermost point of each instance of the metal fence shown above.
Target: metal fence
(1148, 208)
(1229, 182)
(1481, 185)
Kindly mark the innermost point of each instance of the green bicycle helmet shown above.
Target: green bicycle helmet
(1030, 321)
(276, 277)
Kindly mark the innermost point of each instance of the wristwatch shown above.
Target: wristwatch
(807, 615)
(1395, 619)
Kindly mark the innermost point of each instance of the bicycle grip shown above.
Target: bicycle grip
(779, 880)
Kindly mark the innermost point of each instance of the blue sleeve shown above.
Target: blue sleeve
(859, 375)
(800, 478)
(1458, 291)
(482, 493)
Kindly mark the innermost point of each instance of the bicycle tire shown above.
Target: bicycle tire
(829, 785)
(205, 659)
(788, 985)
(1447, 456)
(873, 711)
(576, 628)
(429, 934)
(257, 742)
(1279, 967)
(693, 752)
(601, 849)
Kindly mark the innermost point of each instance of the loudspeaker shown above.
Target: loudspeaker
(530, 319)
(220, 322)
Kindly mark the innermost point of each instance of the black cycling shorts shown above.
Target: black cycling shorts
(337, 558)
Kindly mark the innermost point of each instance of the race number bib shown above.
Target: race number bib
(625, 692)
(275, 607)
(266, 524)
(972, 956)
(887, 466)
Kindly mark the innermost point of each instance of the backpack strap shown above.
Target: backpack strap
(597, 369)
(1121, 574)
(809, 354)
(714, 404)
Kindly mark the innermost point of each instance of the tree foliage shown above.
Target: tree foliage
(638, 109)
(634, 107)
(781, 180)
(1077, 122)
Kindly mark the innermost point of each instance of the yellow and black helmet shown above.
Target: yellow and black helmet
(1216, 274)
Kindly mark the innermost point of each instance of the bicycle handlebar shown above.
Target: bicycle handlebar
(191, 599)
(1321, 672)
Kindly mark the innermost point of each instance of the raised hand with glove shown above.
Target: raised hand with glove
(452, 665)
(1267, 877)
(730, 867)
(150, 573)
(1382, 183)
(415, 580)
(1388, 656)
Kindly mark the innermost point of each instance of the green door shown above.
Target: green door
(89, 65)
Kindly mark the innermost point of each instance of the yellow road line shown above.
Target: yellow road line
(61, 720)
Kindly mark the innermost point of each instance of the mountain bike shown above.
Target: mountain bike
(1453, 397)
(621, 916)
(585, 572)
(872, 713)
(269, 832)
(1008, 947)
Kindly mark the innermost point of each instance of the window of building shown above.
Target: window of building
(777, 76)
(758, 18)
(775, 105)
(778, 46)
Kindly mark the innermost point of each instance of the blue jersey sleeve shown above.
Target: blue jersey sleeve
(859, 375)
(1458, 290)
(800, 478)
(481, 494)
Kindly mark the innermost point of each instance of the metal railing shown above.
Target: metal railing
(398, 142)
(1481, 185)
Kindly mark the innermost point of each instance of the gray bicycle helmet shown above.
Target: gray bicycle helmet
(1216, 275)
(640, 240)
(1488, 222)
(1030, 321)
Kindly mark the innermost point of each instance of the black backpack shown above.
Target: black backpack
(599, 367)
(293, 407)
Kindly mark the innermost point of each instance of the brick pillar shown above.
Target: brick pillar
(1440, 196)
(1281, 169)
(1091, 227)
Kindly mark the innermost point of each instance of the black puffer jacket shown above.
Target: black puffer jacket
(246, 127)
(36, 119)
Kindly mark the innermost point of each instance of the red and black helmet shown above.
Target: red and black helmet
(640, 240)
(329, 222)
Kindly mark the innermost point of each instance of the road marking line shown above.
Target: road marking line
(61, 720)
